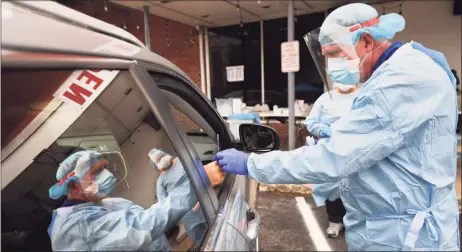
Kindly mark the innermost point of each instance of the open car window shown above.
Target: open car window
(118, 124)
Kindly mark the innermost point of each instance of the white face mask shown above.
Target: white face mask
(164, 162)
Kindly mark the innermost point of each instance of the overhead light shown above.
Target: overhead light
(259, 2)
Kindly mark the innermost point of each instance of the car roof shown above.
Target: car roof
(46, 26)
(71, 15)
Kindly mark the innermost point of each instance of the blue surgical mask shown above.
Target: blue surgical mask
(105, 182)
(344, 71)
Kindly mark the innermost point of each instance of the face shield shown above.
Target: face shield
(117, 166)
(97, 173)
(334, 54)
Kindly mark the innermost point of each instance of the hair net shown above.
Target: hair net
(358, 13)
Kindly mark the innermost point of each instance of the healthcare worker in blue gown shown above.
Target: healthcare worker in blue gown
(89, 220)
(171, 168)
(327, 109)
(394, 153)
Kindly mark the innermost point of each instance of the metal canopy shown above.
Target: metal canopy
(228, 12)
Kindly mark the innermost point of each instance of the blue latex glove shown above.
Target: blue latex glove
(232, 161)
(325, 132)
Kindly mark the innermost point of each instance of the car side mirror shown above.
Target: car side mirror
(258, 138)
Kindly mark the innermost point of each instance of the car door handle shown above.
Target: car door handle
(253, 226)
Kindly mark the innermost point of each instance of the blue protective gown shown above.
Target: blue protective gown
(194, 221)
(326, 110)
(117, 224)
(394, 155)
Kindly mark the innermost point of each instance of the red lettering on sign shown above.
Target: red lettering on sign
(90, 77)
(76, 93)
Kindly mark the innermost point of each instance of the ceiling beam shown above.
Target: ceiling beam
(162, 6)
(242, 9)
(307, 4)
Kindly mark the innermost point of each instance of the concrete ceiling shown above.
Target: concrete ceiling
(228, 12)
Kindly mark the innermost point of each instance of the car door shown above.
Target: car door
(200, 121)
(118, 122)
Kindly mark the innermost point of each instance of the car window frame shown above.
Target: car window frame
(205, 108)
(179, 139)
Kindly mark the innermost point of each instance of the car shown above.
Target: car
(71, 82)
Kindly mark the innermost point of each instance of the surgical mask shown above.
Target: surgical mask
(344, 71)
(102, 185)
(164, 162)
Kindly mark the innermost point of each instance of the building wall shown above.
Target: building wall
(174, 41)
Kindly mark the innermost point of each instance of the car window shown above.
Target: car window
(185, 122)
(120, 126)
(206, 145)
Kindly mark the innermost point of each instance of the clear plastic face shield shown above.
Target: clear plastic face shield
(117, 166)
(105, 175)
(334, 54)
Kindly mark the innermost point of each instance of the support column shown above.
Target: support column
(329, 85)
(262, 60)
(201, 57)
(207, 64)
(291, 79)
(147, 33)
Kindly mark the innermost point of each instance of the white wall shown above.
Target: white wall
(432, 24)
(141, 176)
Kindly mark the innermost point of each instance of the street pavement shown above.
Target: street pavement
(284, 227)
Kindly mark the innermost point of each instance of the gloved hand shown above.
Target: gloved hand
(232, 161)
(325, 132)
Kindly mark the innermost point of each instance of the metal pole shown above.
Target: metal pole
(207, 63)
(147, 34)
(291, 79)
(201, 57)
(262, 60)
(328, 84)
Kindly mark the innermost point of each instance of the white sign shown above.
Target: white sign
(290, 56)
(235, 73)
(83, 86)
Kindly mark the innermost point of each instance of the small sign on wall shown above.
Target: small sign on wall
(235, 73)
(290, 56)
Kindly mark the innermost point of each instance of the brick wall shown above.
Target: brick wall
(174, 41)
(185, 122)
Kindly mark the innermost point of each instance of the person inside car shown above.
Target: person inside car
(193, 221)
(91, 220)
